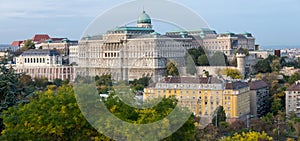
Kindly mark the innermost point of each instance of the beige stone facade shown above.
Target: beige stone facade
(133, 52)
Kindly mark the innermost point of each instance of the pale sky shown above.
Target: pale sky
(272, 22)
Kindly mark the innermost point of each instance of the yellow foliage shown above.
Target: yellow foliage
(249, 136)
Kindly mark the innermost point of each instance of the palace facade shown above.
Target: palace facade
(133, 52)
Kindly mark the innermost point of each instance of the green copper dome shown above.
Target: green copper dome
(144, 18)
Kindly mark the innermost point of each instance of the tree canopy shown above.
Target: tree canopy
(50, 116)
(218, 59)
(28, 44)
(172, 69)
(250, 136)
(233, 73)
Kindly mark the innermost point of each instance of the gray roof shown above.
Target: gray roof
(193, 80)
(235, 85)
(39, 52)
(294, 87)
(258, 84)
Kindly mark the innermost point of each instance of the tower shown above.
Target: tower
(240, 56)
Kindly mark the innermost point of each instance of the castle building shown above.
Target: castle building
(133, 52)
(202, 95)
(44, 63)
(227, 43)
(73, 54)
(60, 44)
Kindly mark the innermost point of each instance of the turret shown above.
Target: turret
(240, 56)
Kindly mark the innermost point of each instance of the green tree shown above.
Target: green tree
(41, 83)
(218, 59)
(276, 105)
(295, 77)
(140, 84)
(203, 60)
(14, 88)
(26, 84)
(220, 116)
(172, 69)
(195, 53)
(275, 65)
(57, 82)
(263, 66)
(28, 44)
(51, 116)
(190, 65)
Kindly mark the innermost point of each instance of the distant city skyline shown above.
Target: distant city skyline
(273, 23)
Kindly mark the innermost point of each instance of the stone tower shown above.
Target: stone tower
(241, 64)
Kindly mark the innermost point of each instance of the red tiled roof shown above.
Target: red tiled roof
(16, 43)
(258, 84)
(40, 37)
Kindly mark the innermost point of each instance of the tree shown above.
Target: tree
(140, 84)
(103, 83)
(190, 65)
(51, 116)
(263, 66)
(57, 82)
(250, 136)
(233, 73)
(276, 106)
(28, 44)
(172, 69)
(295, 77)
(220, 116)
(41, 83)
(14, 88)
(195, 53)
(275, 65)
(218, 59)
(203, 60)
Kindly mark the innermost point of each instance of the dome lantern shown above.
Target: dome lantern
(144, 20)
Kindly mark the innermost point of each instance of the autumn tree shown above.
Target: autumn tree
(220, 116)
(249, 136)
(172, 69)
(51, 116)
(233, 73)
(295, 77)
(264, 66)
(12, 91)
(275, 65)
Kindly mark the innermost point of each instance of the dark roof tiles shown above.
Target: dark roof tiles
(235, 85)
(258, 84)
(294, 87)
